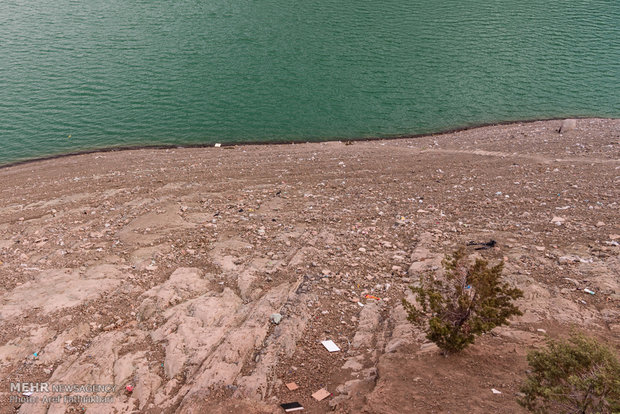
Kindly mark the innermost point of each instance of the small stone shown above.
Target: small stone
(600, 224)
(568, 125)
(567, 259)
(276, 318)
(353, 365)
(558, 220)
(428, 347)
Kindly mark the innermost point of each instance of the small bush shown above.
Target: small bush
(578, 375)
(470, 301)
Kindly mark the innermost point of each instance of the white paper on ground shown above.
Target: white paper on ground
(330, 346)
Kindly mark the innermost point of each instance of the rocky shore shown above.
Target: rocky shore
(205, 280)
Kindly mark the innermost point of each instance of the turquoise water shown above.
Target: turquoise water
(137, 72)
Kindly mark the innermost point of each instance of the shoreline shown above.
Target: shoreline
(283, 142)
(207, 280)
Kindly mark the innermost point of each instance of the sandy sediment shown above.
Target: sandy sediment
(161, 269)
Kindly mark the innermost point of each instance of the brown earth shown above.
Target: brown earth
(161, 269)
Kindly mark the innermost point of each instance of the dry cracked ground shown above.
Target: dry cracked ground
(161, 269)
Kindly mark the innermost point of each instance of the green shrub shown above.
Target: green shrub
(578, 375)
(470, 301)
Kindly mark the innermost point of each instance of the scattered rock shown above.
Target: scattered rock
(170, 270)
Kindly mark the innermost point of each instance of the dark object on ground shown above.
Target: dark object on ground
(488, 245)
(293, 406)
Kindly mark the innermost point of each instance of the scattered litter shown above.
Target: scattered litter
(483, 246)
(36, 354)
(129, 388)
(468, 287)
(588, 291)
(217, 145)
(321, 394)
(292, 406)
(541, 330)
(361, 304)
(330, 346)
(495, 391)
(372, 297)
(276, 318)
(292, 386)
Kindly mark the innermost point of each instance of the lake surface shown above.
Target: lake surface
(138, 72)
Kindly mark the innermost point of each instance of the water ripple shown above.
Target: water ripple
(114, 72)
